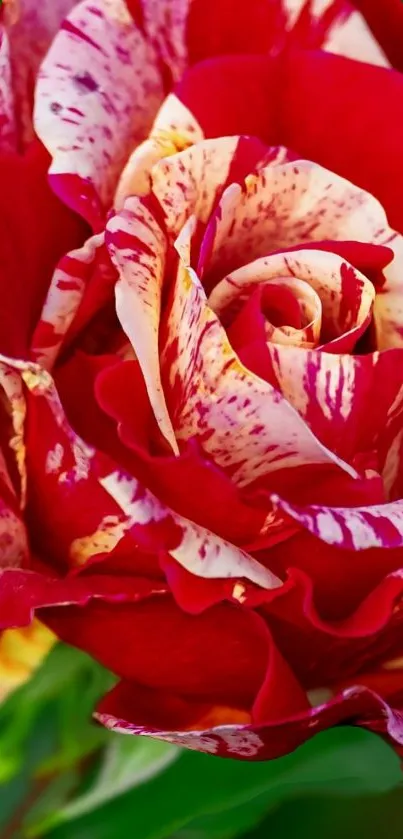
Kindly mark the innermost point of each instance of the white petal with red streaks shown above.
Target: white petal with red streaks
(200, 551)
(96, 97)
(356, 528)
(137, 247)
(189, 183)
(243, 423)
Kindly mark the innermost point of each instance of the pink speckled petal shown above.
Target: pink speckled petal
(32, 28)
(126, 710)
(346, 295)
(8, 135)
(355, 528)
(137, 246)
(243, 423)
(96, 97)
(174, 129)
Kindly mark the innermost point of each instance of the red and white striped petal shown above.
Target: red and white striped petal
(345, 31)
(96, 97)
(346, 295)
(63, 469)
(243, 423)
(137, 247)
(64, 297)
(353, 403)
(354, 529)
(32, 27)
(198, 550)
(174, 129)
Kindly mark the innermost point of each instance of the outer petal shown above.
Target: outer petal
(23, 592)
(97, 115)
(262, 26)
(63, 472)
(36, 230)
(387, 25)
(129, 711)
(31, 33)
(281, 99)
(8, 135)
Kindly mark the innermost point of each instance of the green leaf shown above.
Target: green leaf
(127, 762)
(349, 760)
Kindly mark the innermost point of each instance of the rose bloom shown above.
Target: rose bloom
(202, 359)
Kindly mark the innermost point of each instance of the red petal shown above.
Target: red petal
(220, 655)
(36, 230)
(23, 592)
(386, 22)
(132, 711)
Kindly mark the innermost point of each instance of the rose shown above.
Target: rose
(217, 606)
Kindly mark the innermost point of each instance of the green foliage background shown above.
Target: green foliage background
(63, 777)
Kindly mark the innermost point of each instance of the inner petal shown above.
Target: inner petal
(336, 299)
(284, 311)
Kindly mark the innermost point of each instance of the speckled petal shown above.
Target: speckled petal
(96, 97)
(191, 183)
(243, 423)
(286, 205)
